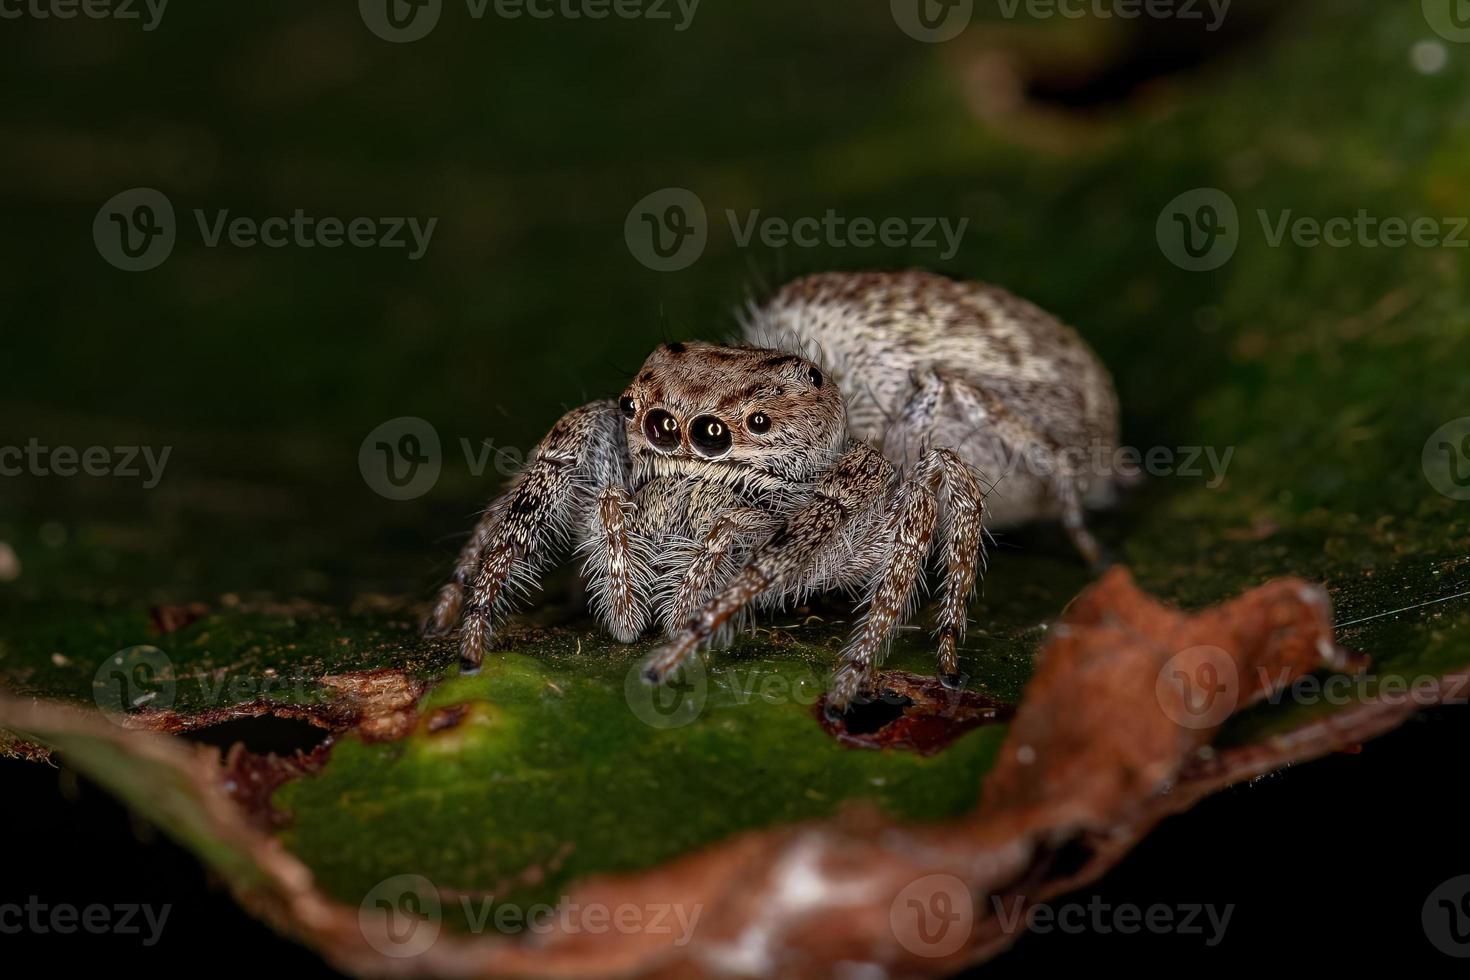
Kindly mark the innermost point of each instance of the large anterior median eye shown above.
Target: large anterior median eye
(711, 436)
(662, 429)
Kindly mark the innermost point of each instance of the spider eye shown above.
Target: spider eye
(710, 436)
(628, 406)
(662, 429)
(815, 376)
(758, 423)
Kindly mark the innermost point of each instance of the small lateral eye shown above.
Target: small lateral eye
(628, 406)
(815, 376)
(758, 422)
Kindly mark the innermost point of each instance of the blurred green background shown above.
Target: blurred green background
(529, 141)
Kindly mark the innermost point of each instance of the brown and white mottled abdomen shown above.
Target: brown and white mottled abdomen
(993, 364)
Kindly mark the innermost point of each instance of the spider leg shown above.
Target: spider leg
(522, 531)
(1032, 443)
(710, 565)
(850, 489)
(909, 531)
(913, 524)
(916, 422)
(964, 550)
(618, 565)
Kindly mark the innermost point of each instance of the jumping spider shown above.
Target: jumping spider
(855, 431)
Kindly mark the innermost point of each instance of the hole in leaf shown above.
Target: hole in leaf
(912, 712)
(875, 714)
(262, 735)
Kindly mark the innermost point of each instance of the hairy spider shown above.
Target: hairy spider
(852, 436)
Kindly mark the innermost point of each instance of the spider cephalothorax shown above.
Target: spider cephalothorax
(838, 451)
(743, 414)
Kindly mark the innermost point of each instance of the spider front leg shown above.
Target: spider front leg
(709, 565)
(846, 493)
(941, 477)
(618, 566)
(522, 531)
